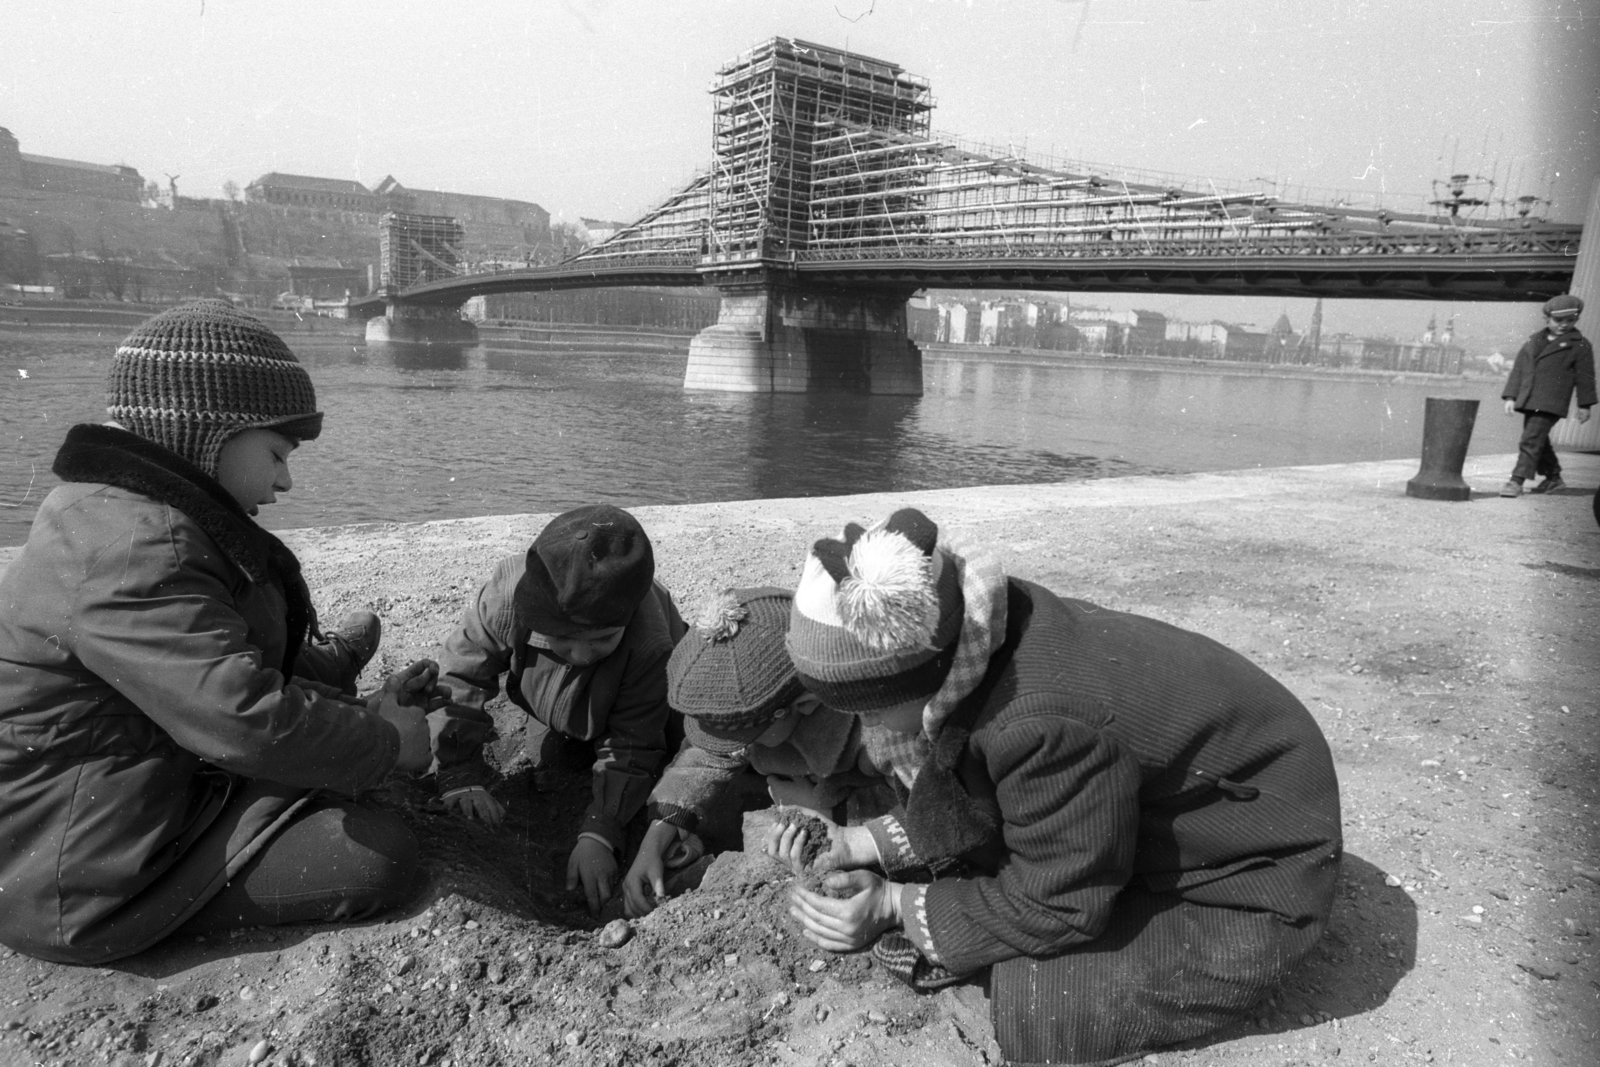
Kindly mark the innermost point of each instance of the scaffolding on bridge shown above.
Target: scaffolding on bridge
(821, 154)
(413, 249)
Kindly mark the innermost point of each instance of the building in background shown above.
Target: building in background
(115, 181)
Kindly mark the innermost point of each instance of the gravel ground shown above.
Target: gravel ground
(1448, 650)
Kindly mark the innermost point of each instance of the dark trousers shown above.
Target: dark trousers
(1165, 970)
(338, 861)
(1535, 456)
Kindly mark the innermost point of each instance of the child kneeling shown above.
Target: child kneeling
(580, 631)
(744, 709)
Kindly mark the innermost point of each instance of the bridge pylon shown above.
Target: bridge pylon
(778, 335)
(414, 249)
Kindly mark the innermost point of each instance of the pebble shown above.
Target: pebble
(1308, 1020)
(817, 965)
(405, 964)
(1431, 763)
(781, 999)
(1477, 909)
(731, 959)
(616, 934)
(1575, 927)
(259, 1051)
(247, 993)
(574, 1038)
(1391, 881)
(1540, 971)
(497, 973)
(1476, 920)
(1500, 894)
(202, 1002)
(471, 924)
(876, 1016)
(822, 1013)
(1586, 872)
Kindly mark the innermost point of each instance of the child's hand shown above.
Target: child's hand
(474, 802)
(848, 924)
(848, 846)
(646, 881)
(593, 865)
(417, 686)
(1511, 407)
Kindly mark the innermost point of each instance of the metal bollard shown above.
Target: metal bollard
(1446, 432)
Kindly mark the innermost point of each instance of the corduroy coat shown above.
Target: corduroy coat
(1547, 370)
(151, 740)
(1106, 752)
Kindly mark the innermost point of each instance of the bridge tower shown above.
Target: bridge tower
(413, 249)
(813, 149)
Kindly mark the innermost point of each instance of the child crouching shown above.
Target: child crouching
(581, 633)
(745, 709)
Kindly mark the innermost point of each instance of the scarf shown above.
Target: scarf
(983, 630)
(110, 455)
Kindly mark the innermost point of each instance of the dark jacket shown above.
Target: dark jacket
(1104, 748)
(619, 703)
(1547, 370)
(143, 685)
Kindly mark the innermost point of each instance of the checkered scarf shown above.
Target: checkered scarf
(983, 629)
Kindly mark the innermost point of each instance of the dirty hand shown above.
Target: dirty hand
(848, 846)
(415, 752)
(848, 924)
(1583, 414)
(474, 802)
(646, 881)
(594, 866)
(416, 686)
(1511, 407)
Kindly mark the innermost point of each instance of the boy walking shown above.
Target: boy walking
(1552, 363)
(581, 633)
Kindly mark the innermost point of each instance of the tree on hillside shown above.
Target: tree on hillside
(115, 271)
(230, 189)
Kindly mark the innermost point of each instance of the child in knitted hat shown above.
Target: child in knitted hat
(170, 723)
(744, 709)
(1133, 829)
(580, 632)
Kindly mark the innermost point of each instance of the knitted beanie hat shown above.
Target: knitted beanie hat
(876, 615)
(589, 569)
(199, 373)
(1564, 306)
(730, 675)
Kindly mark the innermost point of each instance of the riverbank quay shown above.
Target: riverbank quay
(1447, 649)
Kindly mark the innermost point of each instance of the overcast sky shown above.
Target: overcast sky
(600, 107)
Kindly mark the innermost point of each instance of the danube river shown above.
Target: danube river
(409, 439)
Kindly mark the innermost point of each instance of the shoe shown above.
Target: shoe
(1511, 489)
(1549, 485)
(357, 638)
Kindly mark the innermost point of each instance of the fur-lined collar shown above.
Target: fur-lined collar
(113, 456)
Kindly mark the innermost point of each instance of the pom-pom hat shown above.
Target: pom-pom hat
(589, 569)
(876, 615)
(201, 372)
(1564, 306)
(730, 675)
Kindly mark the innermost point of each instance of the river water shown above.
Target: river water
(415, 437)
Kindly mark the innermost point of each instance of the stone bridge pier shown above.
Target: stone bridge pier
(780, 335)
(421, 324)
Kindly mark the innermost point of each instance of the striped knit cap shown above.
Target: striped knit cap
(876, 615)
(199, 373)
(730, 676)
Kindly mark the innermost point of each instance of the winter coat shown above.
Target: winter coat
(1103, 749)
(1546, 371)
(824, 752)
(151, 739)
(619, 703)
